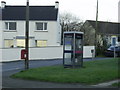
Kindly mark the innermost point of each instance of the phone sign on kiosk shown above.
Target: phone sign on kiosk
(23, 53)
(73, 49)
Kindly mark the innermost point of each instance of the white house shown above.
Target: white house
(44, 26)
(119, 11)
(44, 32)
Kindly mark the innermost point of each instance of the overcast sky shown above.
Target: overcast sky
(84, 9)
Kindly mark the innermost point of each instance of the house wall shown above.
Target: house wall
(89, 34)
(51, 35)
(119, 11)
(1, 34)
(0, 40)
(58, 28)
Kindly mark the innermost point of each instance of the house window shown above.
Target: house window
(8, 43)
(20, 42)
(10, 25)
(118, 39)
(45, 26)
(41, 43)
(114, 40)
(41, 26)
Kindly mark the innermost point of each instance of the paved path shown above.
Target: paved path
(106, 84)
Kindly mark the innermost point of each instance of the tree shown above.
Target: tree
(69, 22)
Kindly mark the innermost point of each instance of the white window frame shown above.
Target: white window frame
(43, 26)
(7, 27)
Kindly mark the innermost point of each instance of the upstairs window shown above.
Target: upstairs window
(10, 25)
(41, 26)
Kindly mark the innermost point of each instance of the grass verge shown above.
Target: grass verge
(94, 72)
(116, 84)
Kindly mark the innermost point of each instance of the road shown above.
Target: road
(10, 68)
(16, 65)
(32, 64)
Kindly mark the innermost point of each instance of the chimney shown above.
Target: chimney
(56, 4)
(3, 3)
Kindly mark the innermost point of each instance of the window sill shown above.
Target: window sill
(41, 30)
(10, 30)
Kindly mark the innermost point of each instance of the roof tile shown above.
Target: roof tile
(35, 12)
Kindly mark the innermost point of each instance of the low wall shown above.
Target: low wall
(13, 54)
(87, 51)
(46, 53)
(53, 52)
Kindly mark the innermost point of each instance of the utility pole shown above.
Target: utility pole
(27, 37)
(96, 31)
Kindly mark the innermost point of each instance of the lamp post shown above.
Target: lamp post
(27, 36)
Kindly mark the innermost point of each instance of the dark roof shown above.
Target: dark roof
(106, 27)
(36, 13)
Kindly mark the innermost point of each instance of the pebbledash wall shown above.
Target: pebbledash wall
(52, 34)
(41, 53)
(119, 11)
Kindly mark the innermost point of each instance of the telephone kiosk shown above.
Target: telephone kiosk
(72, 49)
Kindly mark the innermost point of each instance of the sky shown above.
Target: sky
(84, 9)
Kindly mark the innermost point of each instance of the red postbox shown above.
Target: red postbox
(23, 53)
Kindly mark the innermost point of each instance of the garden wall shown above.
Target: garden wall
(52, 52)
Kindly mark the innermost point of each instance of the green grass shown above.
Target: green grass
(93, 73)
(116, 84)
